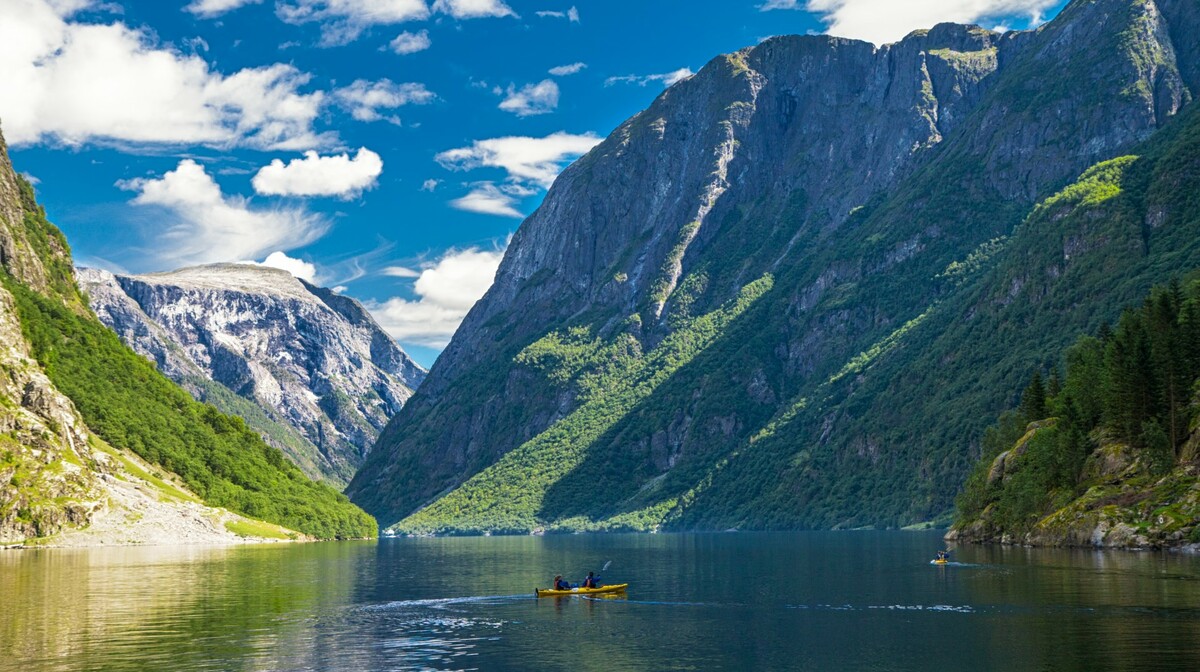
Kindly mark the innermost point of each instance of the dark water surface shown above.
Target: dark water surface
(803, 601)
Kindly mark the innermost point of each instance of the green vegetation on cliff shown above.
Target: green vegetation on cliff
(1117, 437)
(130, 405)
(537, 484)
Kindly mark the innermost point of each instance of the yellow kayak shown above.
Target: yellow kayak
(939, 562)
(546, 592)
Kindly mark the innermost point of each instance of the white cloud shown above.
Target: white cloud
(564, 70)
(205, 226)
(446, 290)
(92, 82)
(316, 175)
(571, 14)
(531, 99)
(297, 267)
(488, 199)
(411, 43)
(525, 159)
(342, 21)
(473, 9)
(401, 272)
(364, 99)
(667, 78)
(209, 8)
(883, 21)
(430, 184)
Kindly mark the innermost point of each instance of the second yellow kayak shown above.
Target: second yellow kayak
(546, 592)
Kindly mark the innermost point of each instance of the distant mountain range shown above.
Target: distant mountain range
(305, 367)
(794, 291)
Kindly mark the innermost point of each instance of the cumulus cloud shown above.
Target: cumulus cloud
(564, 70)
(571, 14)
(206, 226)
(207, 9)
(883, 21)
(430, 184)
(445, 290)
(297, 267)
(365, 99)
(667, 78)
(531, 99)
(76, 82)
(316, 175)
(473, 9)
(525, 159)
(411, 43)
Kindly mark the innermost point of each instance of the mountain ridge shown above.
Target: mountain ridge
(325, 376)
(865, 239)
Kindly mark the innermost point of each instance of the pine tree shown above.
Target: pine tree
(1033, 400)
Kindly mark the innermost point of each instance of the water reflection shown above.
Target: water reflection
(747, 601)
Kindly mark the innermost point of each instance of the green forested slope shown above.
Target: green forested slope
(129, 404)
(1080, 256)
(1108, 454)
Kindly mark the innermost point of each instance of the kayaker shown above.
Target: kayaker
(592, 581)
(559, 584)
(943, 555)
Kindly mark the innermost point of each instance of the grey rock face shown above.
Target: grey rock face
(310, 359)
(794, 135)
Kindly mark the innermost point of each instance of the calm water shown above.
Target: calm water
(806, 601)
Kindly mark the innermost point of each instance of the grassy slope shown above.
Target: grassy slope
(129, 404)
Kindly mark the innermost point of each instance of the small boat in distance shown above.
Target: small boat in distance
(547, 592)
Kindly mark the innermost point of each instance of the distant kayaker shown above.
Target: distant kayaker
(591, 581)
(559, 584)
(943, 555)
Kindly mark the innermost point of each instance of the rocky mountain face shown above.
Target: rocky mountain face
(321, 376)
(723, 315)
(56, 476)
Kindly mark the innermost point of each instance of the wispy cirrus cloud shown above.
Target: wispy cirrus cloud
(571, 14)
(667, 78)
(569, 69)
(487, 198)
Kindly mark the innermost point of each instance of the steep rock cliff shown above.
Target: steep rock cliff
(868, 187)
(326, 377)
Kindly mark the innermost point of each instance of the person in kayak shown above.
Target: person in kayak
(943, 555)
(560, 584)
(592, 581)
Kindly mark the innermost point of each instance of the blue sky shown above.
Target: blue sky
(385, 147)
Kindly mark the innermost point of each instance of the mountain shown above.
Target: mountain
(792, 292)
(97, 447)
(321, 376)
